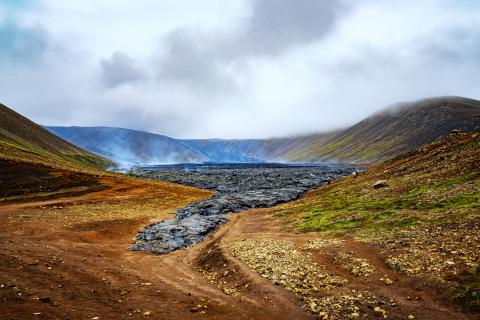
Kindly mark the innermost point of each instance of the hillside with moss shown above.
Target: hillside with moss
(420, 210)
(24, 140)
(398, 129)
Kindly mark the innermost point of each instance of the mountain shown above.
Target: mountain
(126, 146)
(220, 150)
(397, 129)
(22, 139)
(131, 147)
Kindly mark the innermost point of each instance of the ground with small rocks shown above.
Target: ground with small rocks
(349, 250)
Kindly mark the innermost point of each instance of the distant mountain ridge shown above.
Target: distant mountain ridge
(395, 130)
(24, 140)
(127, 146)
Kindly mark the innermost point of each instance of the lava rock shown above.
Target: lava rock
(237, 188)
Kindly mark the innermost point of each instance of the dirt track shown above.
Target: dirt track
(50, 269)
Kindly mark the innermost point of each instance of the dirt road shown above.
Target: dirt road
(61, 262)
(66, 257)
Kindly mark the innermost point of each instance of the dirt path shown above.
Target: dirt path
(61, 262)
(406, 296)
(53, 269)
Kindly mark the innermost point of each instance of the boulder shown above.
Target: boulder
(380, 184)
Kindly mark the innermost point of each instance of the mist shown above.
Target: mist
(237, 69)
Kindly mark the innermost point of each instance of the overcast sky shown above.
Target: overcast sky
(235, 68)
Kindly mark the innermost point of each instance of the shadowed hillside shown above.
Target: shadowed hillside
(22, 139)
(396, 130)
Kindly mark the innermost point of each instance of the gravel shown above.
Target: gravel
(325, 293)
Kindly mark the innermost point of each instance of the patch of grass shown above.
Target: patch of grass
(466, 293)
(464, 178)
(26, 153)
(361, 208)
(89, 161)
(468, 200)
(377, 216)
(334, 221)
(467, 145)
(402, 223)
(20, 148)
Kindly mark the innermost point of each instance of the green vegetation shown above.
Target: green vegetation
(24, 141)
(20, 148)
(426, 221)
(467, 292)
(89, 161)
(425, 190)
(13, 151)
(369, 210)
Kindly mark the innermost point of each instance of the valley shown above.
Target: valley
(397, 240)
(239, 160)
(394, 130)
(66, 256)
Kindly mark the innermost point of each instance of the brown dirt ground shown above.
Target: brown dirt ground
(61, 262)
(411, 295)
(64, 256)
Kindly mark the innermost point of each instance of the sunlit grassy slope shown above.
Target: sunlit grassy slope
(436, 183)
(425, 223)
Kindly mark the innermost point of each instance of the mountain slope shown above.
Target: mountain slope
(423, 222)
(127, 146)
(22, 139)
(396, 130)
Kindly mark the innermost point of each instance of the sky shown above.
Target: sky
(232, 69)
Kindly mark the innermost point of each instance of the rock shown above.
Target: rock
(45, 299)
(193, 309)
(147, 313)
(236, 190)
(388, 281)
(455, 131)
(379, 310)
(380, 184)
(411, 317)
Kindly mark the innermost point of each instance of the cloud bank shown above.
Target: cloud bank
(236, 69)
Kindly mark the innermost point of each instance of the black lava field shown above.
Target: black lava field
(237, 187)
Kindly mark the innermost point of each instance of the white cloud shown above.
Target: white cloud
(243, 68)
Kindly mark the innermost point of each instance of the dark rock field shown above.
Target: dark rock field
(237, 187)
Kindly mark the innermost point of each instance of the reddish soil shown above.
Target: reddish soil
(411, 295)
(50, 271)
